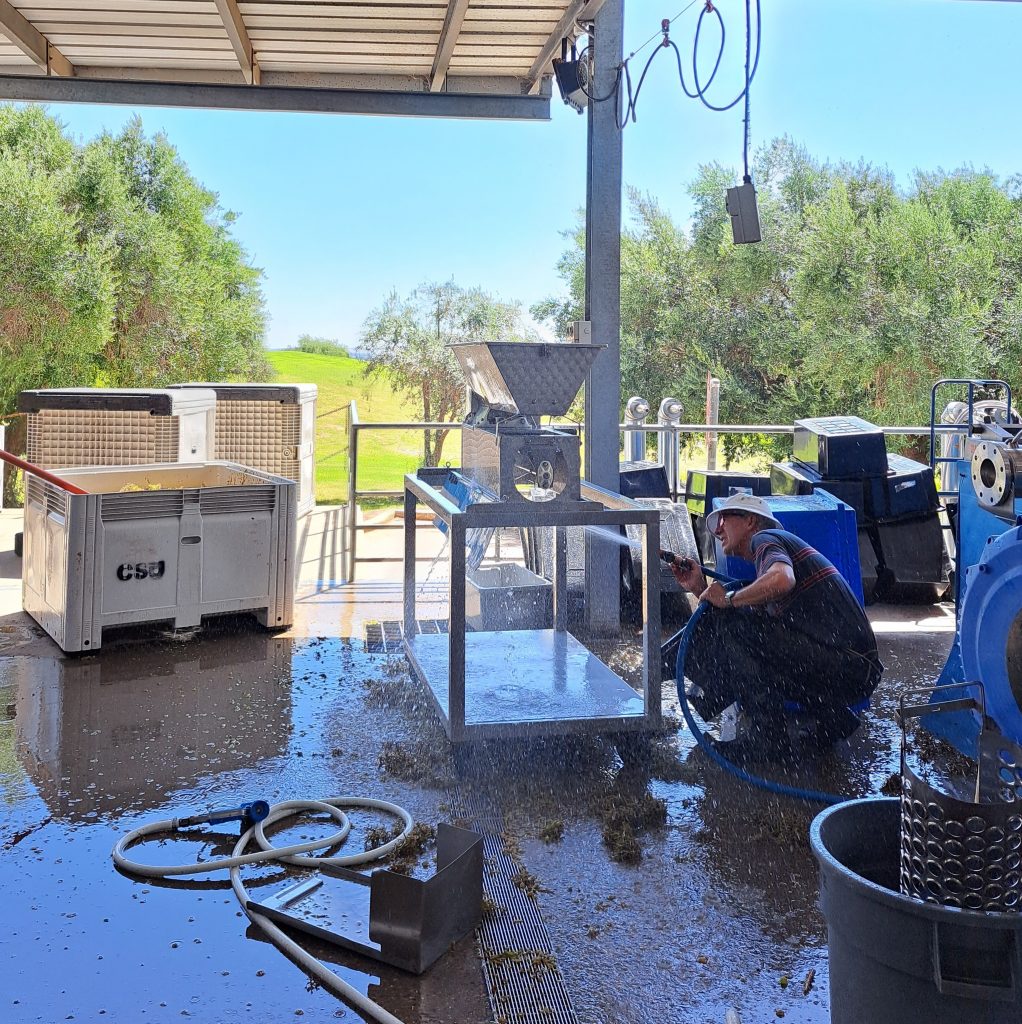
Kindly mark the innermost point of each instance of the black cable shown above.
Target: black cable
(748, 80)
(627, 101)
(749, 75)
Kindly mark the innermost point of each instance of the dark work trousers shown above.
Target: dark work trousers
(750, 656)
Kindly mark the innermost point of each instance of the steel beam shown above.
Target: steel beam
(603, 308)
(28, 88)
(234, 25)
(445, 47)
(27, 38)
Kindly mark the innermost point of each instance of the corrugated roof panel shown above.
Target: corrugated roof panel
(495, 46)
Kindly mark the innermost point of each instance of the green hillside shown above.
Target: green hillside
(384, 456)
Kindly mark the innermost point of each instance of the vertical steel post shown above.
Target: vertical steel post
(560, 578)
(713, 418)
(603, 307)
(411, 503)
(667, 447)
(456, 631)
(636, 411)
(651, 638)
(352, 489)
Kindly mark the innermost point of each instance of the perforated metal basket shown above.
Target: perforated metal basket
(963, 850)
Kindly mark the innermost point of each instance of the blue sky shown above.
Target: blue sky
(338, 211)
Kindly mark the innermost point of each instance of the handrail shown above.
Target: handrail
(356, 426)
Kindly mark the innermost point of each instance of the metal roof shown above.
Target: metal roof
(290, 54)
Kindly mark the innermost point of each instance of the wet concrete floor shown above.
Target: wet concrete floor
(719, 912)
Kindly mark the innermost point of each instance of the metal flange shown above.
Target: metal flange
(994, 469)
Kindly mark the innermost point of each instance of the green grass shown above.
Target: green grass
(384, 456)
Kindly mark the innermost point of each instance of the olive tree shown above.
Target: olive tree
(407, 340)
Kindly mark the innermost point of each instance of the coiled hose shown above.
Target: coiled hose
(779, 788)
(297, 855)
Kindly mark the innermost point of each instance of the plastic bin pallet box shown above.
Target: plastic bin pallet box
(117, 426)
(823, 522)
(270, 427)
(159, 543)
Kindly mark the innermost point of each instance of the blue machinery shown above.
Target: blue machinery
(981, 466)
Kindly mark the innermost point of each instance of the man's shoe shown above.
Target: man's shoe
(829, 727)
(764, 740)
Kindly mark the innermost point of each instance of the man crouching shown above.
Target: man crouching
(796, 633)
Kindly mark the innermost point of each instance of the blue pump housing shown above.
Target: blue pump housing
(988, 638)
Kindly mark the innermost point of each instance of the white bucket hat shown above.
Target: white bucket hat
(750, 504)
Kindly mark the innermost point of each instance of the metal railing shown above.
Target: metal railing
(356, 427)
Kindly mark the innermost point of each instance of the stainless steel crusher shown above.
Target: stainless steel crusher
(516, 472)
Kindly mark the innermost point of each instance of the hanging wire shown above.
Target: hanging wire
(749, 75)
(626, 99)
(748, 79)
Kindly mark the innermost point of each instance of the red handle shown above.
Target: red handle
(41, 473)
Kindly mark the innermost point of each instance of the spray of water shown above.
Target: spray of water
(605, 533)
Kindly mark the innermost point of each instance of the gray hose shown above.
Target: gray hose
(295, 854)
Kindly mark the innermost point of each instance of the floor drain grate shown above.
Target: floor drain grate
(386, 637)
(523, 980)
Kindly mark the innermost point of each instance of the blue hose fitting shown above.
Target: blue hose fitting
(248, 814)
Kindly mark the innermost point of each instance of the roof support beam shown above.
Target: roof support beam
(448, 38)
(23, 88)
(238, 35)
(27, 38)
(563, 29)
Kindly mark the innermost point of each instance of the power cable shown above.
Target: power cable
(627, 98)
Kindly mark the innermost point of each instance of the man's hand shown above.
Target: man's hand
(689, 575)
(714, 594)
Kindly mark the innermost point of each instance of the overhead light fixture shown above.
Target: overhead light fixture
(572, 78)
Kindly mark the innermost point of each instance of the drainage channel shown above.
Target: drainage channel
(523, 980)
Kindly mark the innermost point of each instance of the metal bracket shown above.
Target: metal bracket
(406, 922)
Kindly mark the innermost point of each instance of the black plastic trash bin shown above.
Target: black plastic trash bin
(896, 960)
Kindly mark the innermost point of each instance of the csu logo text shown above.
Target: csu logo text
(140, 571)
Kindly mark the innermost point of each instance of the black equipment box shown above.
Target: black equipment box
(788, 478)
(703, 485)
(643, 480)
(913, 551)
(909, 489)
(840, 446)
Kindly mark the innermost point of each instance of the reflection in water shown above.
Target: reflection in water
(126, 727)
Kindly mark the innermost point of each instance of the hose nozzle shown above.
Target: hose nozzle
(248, 814)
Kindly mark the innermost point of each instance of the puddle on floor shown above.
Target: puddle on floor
(712, 904)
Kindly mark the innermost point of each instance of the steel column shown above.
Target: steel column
(603, 308)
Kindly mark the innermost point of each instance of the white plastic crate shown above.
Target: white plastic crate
(157, 543)
(270, 427)
(118, 426)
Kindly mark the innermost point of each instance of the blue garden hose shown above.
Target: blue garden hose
(812, 795)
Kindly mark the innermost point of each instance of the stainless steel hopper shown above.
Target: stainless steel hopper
(504, 450)
(526, 378)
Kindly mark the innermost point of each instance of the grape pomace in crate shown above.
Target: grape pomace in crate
(157, 543)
